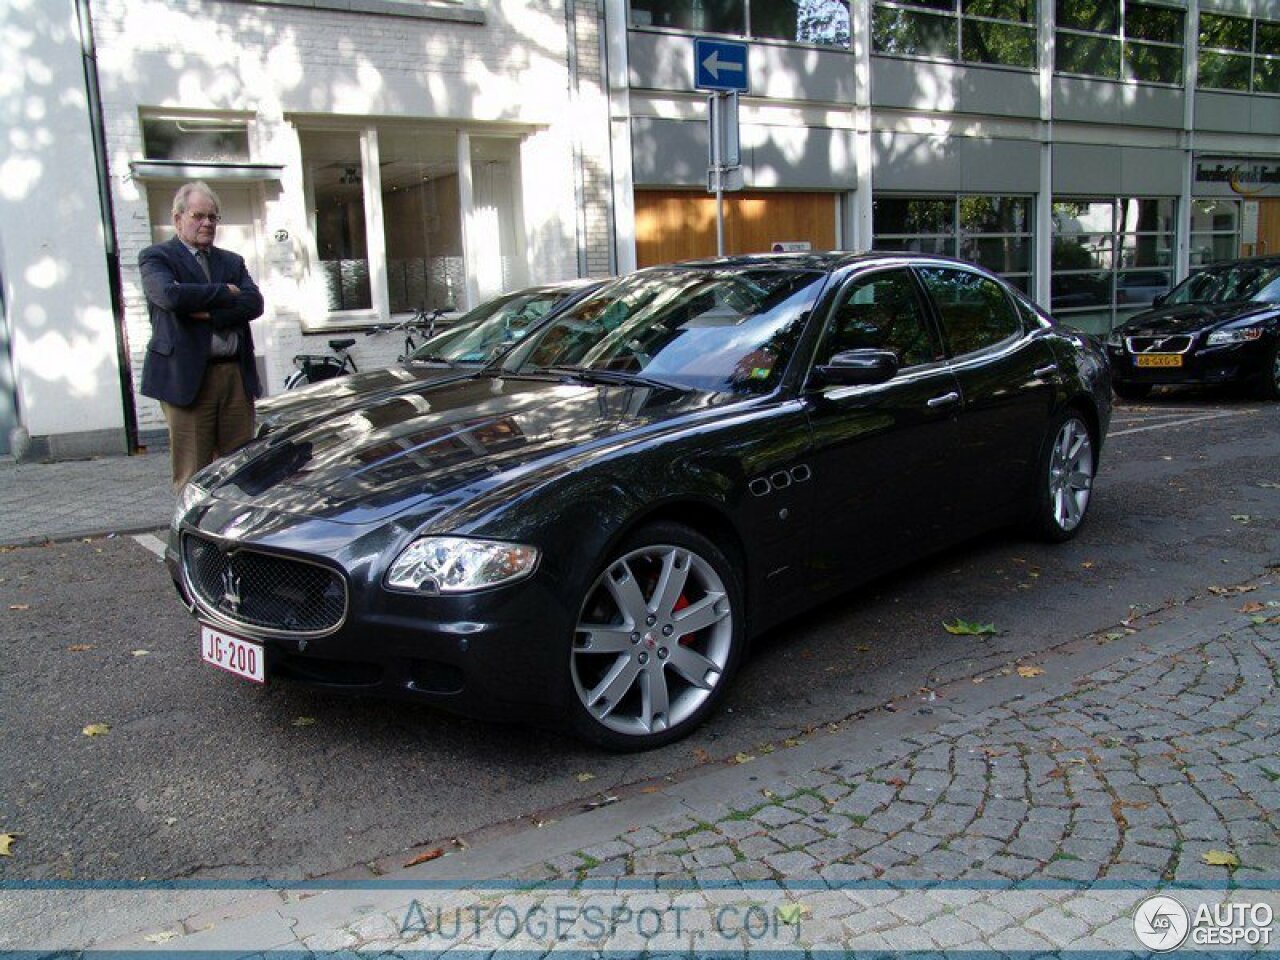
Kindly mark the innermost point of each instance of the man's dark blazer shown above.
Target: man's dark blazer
(179, 349)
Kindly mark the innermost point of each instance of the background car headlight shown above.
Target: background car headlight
(1114, 339)
(1220, 338)
(458, 564)
(191, 496)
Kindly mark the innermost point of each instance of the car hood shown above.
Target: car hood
(346, 393)
(1193, 317)
(459, 438)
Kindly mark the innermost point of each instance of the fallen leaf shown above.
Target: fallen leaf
(1231, 591)
(603, 801)
(650, 789)
(1027, 672)
(19, 606)
(6, 843)
(163, 937)
(743, 758)
(304, 721)
(584, 777)
(96, 729)
(1242, 518)
(1087, 565)
(426, 857)
(791, 742)
(701, 755)
(1221, 858)
(80, 647)
(792, 913)
(139, 653)
(963, 628)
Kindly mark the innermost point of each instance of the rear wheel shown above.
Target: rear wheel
(1132, 391)
(658, 637)
(1064, 478)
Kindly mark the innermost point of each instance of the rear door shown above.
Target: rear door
(1007, 376)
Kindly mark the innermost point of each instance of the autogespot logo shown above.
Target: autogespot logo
(1161, 923)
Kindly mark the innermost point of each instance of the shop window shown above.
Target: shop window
(1120, 40)
(1111, 257)
(1215, 231)
(386, 220)
(819, 22)
(992, 231)
(1239, 53)
(998, 32)
(195, 139)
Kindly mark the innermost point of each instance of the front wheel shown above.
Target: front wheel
(1268, 387)
(658, 637)
(1064, 479)
(1132, 391)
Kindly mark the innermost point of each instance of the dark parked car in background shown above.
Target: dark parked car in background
(469, 343)
(590, 530)
(1220, 325)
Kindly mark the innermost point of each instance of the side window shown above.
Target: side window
(881, 312)
(975, 311)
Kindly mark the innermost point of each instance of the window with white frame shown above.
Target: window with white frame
(999, 32)
(1120, 40)
(1239, 53)
(388, 209)
(1111, 257)
(992, 231)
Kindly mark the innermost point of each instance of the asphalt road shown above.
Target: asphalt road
(201, 775)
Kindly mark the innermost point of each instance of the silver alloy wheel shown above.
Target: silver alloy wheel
(1070, 474)
(653, 640)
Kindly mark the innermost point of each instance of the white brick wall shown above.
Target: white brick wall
(274, 63)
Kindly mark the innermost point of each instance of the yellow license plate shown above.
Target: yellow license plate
(1158, 360)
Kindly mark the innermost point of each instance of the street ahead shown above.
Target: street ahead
(194, 773)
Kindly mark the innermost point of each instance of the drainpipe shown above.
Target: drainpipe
(89, 57)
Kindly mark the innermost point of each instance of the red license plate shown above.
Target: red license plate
(233, 654)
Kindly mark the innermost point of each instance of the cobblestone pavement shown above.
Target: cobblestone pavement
(1028, 812)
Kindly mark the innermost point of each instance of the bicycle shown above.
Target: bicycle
(422, 322)
(318, 367)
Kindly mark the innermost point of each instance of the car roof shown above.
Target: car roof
(826, 261)
(1265, 260)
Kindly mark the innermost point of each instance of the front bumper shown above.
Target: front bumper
(1231, 363)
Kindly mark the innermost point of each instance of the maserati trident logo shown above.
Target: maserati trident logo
(231, 587)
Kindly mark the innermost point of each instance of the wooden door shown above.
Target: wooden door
(1268, 227)
(676, 225)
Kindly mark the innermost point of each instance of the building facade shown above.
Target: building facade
(378, 156)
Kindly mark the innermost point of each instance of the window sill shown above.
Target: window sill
(410, 9)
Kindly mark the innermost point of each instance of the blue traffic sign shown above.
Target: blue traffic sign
(720, 65)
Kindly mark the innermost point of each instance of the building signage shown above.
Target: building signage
(720, 65)
(1236, 176)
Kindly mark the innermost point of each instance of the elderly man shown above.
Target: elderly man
(199, 363)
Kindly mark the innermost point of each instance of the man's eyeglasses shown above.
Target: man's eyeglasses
(213, 218)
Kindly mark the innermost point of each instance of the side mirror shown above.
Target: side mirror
(859, 368)
(1159, 299)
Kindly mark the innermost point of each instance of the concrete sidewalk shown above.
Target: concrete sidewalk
(78, 498)
(1032, 811)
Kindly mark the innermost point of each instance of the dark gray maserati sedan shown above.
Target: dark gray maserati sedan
(590, 530)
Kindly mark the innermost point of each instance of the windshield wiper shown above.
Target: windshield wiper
(611, 377)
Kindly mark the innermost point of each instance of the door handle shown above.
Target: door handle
(945, 400)
(1041, 372)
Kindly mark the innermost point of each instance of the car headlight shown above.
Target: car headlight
(1220, 338)
(459, 565)
(190, 497)
(1114, 339)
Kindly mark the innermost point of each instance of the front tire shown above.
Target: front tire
(1064, 479)
(1268, 387)
(658, 637)
(1132, 391)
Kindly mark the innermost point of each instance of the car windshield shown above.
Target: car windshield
(724, 330)
(481, 334)
(1224, 284)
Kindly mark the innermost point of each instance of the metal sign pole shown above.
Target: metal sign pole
(717, 170)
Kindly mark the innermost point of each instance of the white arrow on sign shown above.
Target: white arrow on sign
(714, 65)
